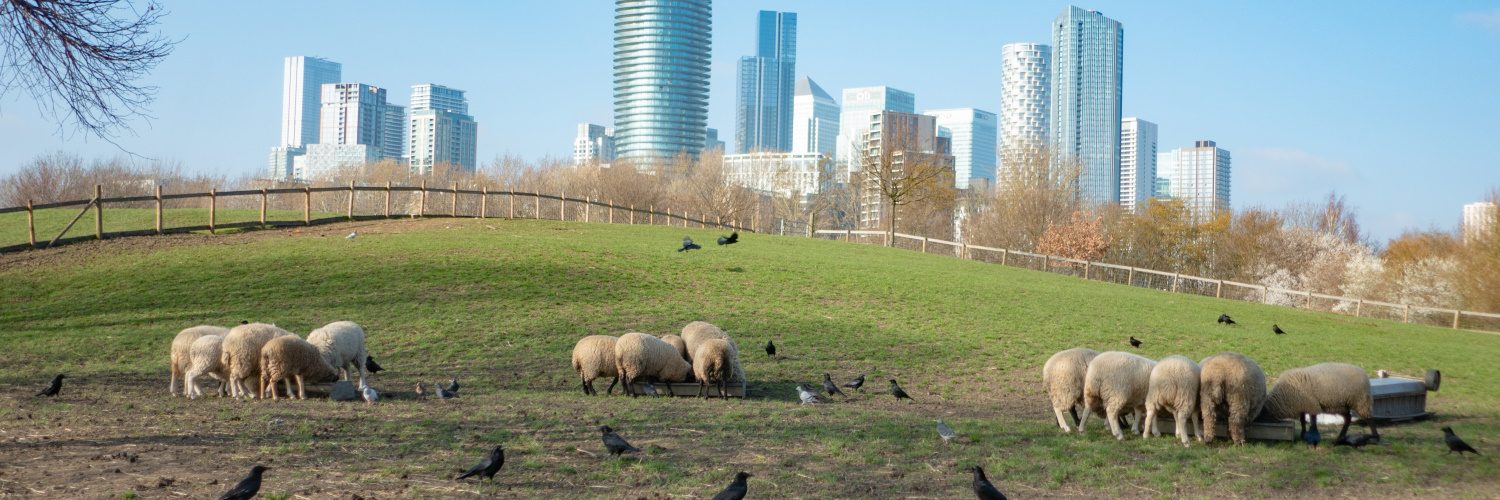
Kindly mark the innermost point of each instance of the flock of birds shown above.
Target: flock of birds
(687, 242)
(1224, 319)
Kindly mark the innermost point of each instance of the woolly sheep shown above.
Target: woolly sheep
(643, 357)
(698, 332)
(1232, 383)
(1336, 388)
(287, 357)
(342, 344)
(594, 357)
(180, 355)
(203, 358)
(241, 354)
(1063, 378)
(681, 345)
(1174, 387)
(1116, 383)
(714, 362)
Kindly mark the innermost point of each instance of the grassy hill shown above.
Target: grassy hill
(500, 303)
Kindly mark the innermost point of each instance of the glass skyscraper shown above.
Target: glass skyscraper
(763, 111)
(860, 104)
(973, 133)
(1087, 68)
(661, 73)
(815, 119)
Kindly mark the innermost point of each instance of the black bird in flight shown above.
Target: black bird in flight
(616, 444)
(1224, 319)
(372, 366)
(736, 489)
(53, 388)
(900, 394)
(830, 387)
(1134, 342)
(247, 487)
(1277, 329)
(856, 383)
(687, 244)
(487, 467)
(731, 239)
(1310, 434)
(1455, 443)
(983, 490)
(770, 348)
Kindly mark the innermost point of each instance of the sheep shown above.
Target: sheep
(681, 345)
(1116, 383)
(1336, 388)
(641, 356)
(180, 355)
(1063, 378)
(594, 357)
(204, 360)
(1174, 387)
(714, 362)
(241, 354)
(698, 332)
(286, 357)
(343, 345)
(1232, 383)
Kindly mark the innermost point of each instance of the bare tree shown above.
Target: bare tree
(1033, 192)
(905, 168)
(82, 60)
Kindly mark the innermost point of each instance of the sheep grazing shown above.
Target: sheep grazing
(594, 357)
(1063, 378)
(1116, 383)
(1232, 384)
(714, 363)
(1174, 387)
(203, 358)
(181, 356)
(698, 332)
(343, 346)
(241, 354)
(681, 345)
(1337, 388)
(288, 357)
(643, 357)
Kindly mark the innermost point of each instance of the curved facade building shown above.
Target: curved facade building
(662, 52)
(1025, 104)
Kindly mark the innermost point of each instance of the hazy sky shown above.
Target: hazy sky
(1396, 104)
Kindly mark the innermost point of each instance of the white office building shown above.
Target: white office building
(973, 132)
(815, 119)
(1199, 176)
(302, 82)
(440, 130)
(1025, 104)
(1137, 163)
(778, 174)
(594, 144)
(1479, 220)
(859, 105)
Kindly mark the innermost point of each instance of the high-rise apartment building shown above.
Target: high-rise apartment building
(859, 105)
(1087, 69)
(763, 111)
(440, 130)
(351, 130)
(594, 144)
(394, 142)
(1025, 105)
(661, 73)
(1199, 176)
(1137, 163)
(815, 119)
(973, 132)
(900, 139)
(1479, 221)
(302, 82)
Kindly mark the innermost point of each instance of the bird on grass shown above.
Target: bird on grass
(806, 395)
(369, 394)
(53, 388)
(616, 444)
(1277, 329)
(648, 389)
(352, 235)
(453, 386)
(1455, 443)
(1357, 440)
(1136, 343)
(945, 432)
(983, 490)
(731, 239)
(372, 366)
(830, 388)
(1224, 319)
(486, 468)
(770, 348)
(737, 489)
(1310, 434)
(421, 391)
(687, 244)
(247, 487)
(244, 322)
(443, 393)
(857, 383)
(900, 394)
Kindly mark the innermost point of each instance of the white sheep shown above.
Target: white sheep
(594, 357)
(681, 345)
(203, 358)
(698, 332)
(1063, 378)
(241, 355)
(180, 354)
(343, 346)
(1174, 388)
(1231, 383)
(287, 357)
(714, 363)
(639, 356)
(1337, 388)
(1116, 383)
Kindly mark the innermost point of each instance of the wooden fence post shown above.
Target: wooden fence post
(422, 206)
(387, 199)
(755, 219)
(538, 211)
(98, 211)
(1308, 304)
(1455, 318)
(31, 223)
(1359, 307)
(1176, 277)
(484, 202)
(511, 195)
(1265, 293)
(307, 205)
(454, 211)
(158, 210)
(1406, 313)
(651, 214)
(213, 209)
(848, 235)
(349, 211)
(1219, 289)
(611, 211)
(264, 200)
(562, 206)
(632, 214)
(963, 251)
(1004, 256)
(587, 203)
(810, 226)
(924, 244)
(1046, 261)
(1130, 277)
(1088, 265)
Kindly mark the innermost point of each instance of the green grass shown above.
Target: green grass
(49, 222)
(500, 303)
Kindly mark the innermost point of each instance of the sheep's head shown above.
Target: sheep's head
(679, 371)
(325, 373)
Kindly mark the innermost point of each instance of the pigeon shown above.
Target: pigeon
(687, 244)
(247, 487)
(369, 394)
(1357, 440)
(731, 239)
(900, 394)
(1455, 443)
(352, 235)
(830, 388)
(983, 490)
(1277, 329)
(770, 348)
(856, 383)
(1136, 343)
(371, 366)
(1310, 435)
(1224, 319)
(486, 468)
(53, 388)
(421, 391)
(453, 386)
(649, 389)
(616, 444)
(443, 393)
(806, 395)
(945, 432)
(736, 489)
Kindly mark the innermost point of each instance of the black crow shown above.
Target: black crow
(1135, 343)
(687, 244)
(1455, 443)
(736, 489)
(453, 386)
(830, 388)
(53, 388)
(616, 444)
(372, 366)
(247, 487)
(244, 322)
(443, 393)
(487, 467)
(1277, 329)
(857, 383)
(983, 490)
(1310, 434)
(731, 239)
(770, 348)
(900, 394)
(1224, 319)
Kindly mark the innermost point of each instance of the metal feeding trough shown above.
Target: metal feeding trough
(1398, 398)
(689, 389)
(1284, 430)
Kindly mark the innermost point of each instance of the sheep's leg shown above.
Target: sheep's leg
(587, 384)
(1181, 418)
(611, 390)
(1060, 421)
(363, 372)
(1112, 415)
(1150, 422)
(1348, 417)
(1197, 427)
(286, 382)
(702, 387)
(724, 390)
(189, 387)
(1087, 409)
(1072, 410)
(172, 386)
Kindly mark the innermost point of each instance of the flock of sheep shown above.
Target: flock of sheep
(703, 352)
(1114, 384)
(267, 354)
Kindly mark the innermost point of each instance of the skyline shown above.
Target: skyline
(1364, 106)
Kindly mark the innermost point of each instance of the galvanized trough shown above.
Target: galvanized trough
(1284, 430)
(690, 389)
(1399, 399)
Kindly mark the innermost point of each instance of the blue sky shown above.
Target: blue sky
(1394, 104)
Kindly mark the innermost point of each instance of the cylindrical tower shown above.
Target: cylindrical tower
(662, 50)
(1025, 107)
